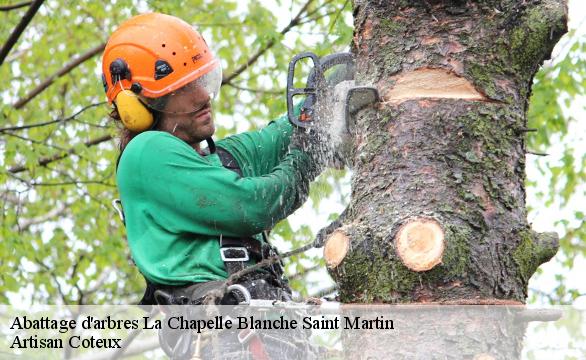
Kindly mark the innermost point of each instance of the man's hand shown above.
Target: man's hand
(329, 130)
(330, 126)
(335, 115)
(315, 143)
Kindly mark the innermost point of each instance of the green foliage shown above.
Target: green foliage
(556, 93)
(61, 241)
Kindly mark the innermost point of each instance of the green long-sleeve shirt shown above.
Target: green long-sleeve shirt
(178, 202)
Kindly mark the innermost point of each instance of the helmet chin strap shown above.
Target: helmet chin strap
(211, 145)
(156, 118)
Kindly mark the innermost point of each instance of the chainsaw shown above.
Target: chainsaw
(331, 79)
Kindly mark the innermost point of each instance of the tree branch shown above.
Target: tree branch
(309, 20)
(301, 274)
(338, 16)
(16, 55)
(28, 16)
(294, 22)
(75, 182)
(34, 141)
(99, 282)
(72, 181)
(48, 160)
(64, 70)
(526, 130)
(13, 200)
(76, 284)
(15, 6)
(317, 9)
(536, 153)
(84, 192)
(324, 292)
(54, 277)
(27, 223)
(97, 126)
(62, 120)
(44, 143)
(272, 92)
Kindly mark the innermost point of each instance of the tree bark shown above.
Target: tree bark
(438, 198)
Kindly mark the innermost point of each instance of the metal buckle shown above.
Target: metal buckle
(237, 288)
(117, 205)
(225, 257)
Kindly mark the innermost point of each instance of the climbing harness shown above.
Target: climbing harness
(260, 284)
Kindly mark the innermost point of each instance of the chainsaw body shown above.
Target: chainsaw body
(337, 89)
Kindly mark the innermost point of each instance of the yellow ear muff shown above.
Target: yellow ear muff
(134, 115)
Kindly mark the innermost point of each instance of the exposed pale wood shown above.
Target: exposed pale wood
(431, 83)
(336, 248)
(420, 244)
(483, 356)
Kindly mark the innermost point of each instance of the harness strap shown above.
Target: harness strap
(236, 252)
(228, 161)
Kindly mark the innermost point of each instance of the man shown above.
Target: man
(194, 216)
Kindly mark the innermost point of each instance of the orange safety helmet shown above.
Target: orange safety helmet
(153, 55)
(161, 53)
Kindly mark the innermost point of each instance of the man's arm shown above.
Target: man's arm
(257, 152)
(186, 193)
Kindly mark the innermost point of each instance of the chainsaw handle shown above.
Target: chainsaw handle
(328, 61)
(310, 89)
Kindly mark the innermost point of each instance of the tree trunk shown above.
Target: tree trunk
(438, 197)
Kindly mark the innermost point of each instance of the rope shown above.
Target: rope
(216, 294)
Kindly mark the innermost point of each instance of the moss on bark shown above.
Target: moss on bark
(533, 250)
(459, 161)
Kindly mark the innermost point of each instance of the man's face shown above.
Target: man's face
(188, 114)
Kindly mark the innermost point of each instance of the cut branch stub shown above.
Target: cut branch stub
(483, 356)
(420, 244)
(336, 248)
